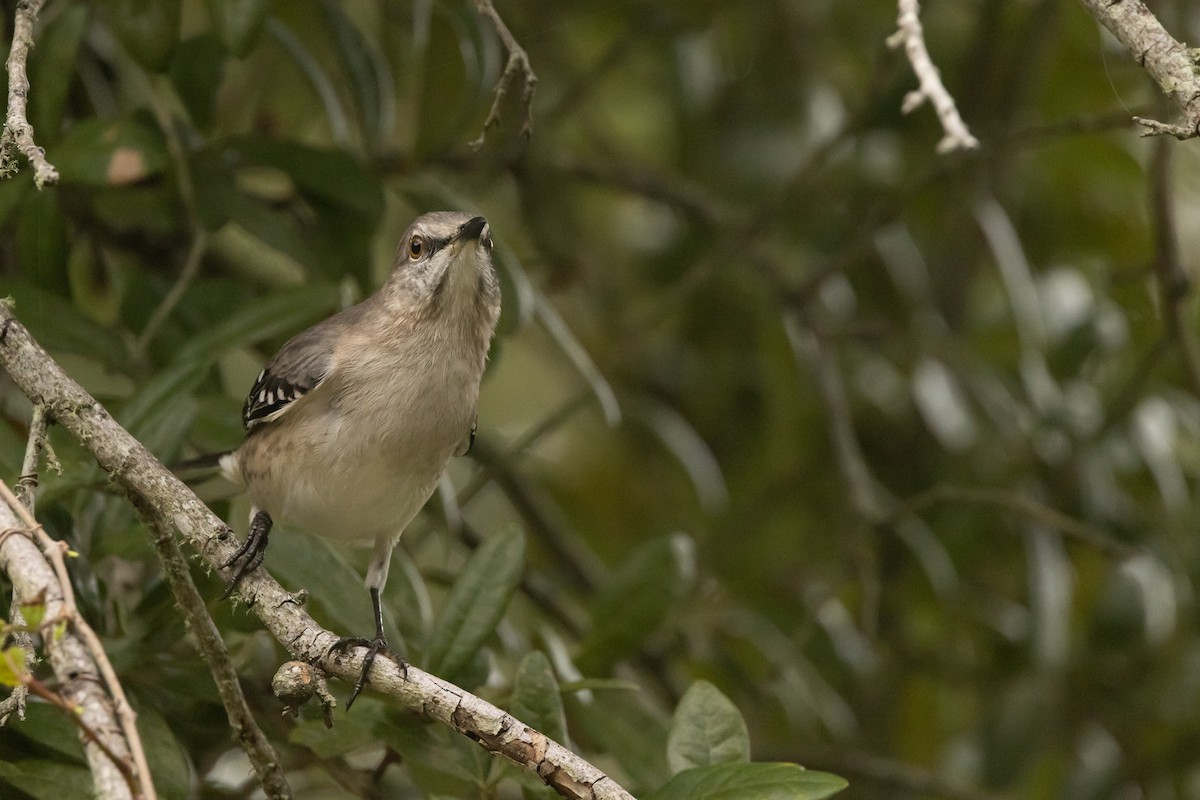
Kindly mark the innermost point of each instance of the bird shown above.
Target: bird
(351, 424)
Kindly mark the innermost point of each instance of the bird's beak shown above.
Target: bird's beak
(474, 228)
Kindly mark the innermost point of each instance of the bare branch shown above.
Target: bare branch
(1170, 63)
(173, 504)
(911, 36)
(517, 64)
(18, 133)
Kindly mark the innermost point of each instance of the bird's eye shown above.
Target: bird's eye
(416, 247)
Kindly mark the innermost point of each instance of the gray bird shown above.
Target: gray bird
(351, 424)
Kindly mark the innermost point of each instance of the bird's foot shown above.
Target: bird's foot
(251, 553)
(374, 647)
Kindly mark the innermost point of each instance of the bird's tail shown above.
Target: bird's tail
(211, 465)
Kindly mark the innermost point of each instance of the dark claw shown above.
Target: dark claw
(250, 555)
(374, 647)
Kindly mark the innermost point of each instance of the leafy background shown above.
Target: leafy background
(889, 456)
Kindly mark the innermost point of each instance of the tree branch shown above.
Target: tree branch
(911, 36)
(18, 133)
(29, 570)
(517, 64)
(1170, 63)
(171, 503)
(212, 649)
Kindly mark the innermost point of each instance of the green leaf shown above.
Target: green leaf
(166, 757)
(348, 734)
(48, 780)
(637, 599)
(284, 311)
(536, 700)
(49, 727)
(104, 152)
(12, 665)
(58, 325)
(707, 729)
(42, 240)
(161, 394)
(328, 174)
(476, 603)
(750, 782)
(149, 29)
(336, 589)
(196, 74)
(12, 194)
(239, 23)
(34, 612)
(371, 85)
(627, 729)
(52, 71)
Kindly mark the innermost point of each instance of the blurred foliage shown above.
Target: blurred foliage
(889, 456)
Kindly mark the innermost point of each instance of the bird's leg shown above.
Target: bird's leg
(374, 647)
(251, 553)
(376, 578)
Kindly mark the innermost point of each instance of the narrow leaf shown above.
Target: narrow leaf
(707, 729)
(746, 781)
(52, 70)
(354, 53)
(284, 311)
(476, 603)
(239, 23)
(47, 780)
(536, 700)
(637, 599)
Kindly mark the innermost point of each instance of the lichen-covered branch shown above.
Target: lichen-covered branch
(170, 502)
(212, 649)
(79, 681)
(911, 36)
(18, 133)
(1171, 64)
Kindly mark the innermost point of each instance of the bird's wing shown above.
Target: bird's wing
(299, 367)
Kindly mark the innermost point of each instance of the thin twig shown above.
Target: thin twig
(212, 649)
(517, 64)
(18, 132)
(187, 195)
(138, 472)
(124, 711)
(1168, 61)
(911, 778)
(1003, 500)
(911, 36)
(191, 267)
(54, 698)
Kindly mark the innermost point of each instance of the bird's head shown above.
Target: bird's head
(443, 270)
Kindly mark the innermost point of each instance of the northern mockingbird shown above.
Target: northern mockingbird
(350, 425)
